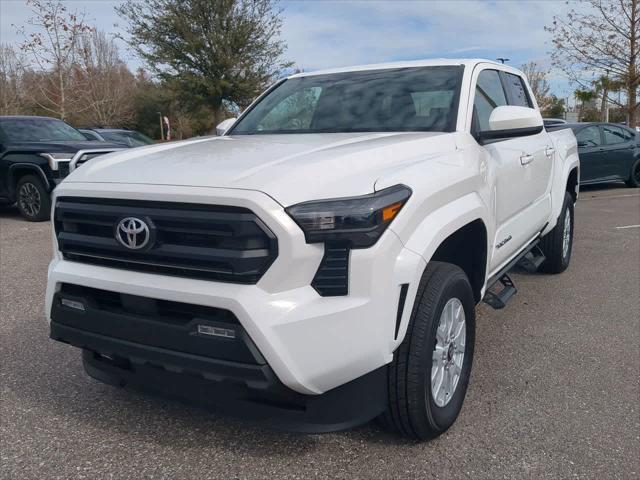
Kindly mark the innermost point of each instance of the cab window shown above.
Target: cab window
(589, 137)
(518, 90)
(613, 135)
(489, 95)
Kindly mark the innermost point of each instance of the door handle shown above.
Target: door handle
(526, 159)
(549, 151)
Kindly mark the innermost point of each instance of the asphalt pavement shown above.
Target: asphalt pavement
(554, 392)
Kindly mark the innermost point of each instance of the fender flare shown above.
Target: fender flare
(560, 186)
(26, 166)
(434, 229)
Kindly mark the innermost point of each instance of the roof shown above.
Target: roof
(106, 129)
(575, 124)
(405, 64)
(26, 117)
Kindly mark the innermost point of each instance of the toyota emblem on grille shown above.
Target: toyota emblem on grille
(133, 233)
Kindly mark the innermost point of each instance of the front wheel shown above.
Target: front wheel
(634, 176)
(558, 243)
(33, 200)
(430, 371)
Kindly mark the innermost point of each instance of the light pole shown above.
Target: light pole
(502, 59)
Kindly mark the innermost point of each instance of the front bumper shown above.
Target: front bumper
(312, 344)
(208, 383)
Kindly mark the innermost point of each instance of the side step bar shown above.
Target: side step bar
(530, 259)
(498, 300)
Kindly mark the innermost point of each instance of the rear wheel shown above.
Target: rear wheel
(634, 176)
(33, 200)
(430, 371)
(558, 243)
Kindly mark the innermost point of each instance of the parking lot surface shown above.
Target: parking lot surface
(554, 392)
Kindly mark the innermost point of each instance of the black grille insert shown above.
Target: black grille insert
(332, 277)
(212, 242)
(154, 322)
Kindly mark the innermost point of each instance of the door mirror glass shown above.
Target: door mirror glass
(224, 126)
(510, 121)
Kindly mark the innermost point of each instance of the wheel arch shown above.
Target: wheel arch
(19, 170)
(467, 248)
(573, 184)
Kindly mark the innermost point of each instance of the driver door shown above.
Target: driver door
(522, 169)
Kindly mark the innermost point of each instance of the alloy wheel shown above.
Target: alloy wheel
(566, 234)
(29, 198)
(448, 353)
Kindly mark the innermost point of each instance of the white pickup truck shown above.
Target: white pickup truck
(318, 264)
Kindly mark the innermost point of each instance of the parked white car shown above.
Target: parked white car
(318, 264)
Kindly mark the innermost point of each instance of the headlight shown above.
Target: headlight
(359, 221)
(56, 158)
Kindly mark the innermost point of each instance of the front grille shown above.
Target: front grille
(63, 169)
(223, 243)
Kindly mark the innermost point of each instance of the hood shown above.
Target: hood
(289, 168)
(61, 146)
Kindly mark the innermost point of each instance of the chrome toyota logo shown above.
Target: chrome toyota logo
(133, 233)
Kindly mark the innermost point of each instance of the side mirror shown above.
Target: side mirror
(509, 121)
(583, 144)
(224, 126)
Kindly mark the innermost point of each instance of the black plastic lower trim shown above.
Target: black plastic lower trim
(401, 301)
(251, 392)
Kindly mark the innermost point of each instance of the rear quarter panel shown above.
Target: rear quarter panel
(566, 159)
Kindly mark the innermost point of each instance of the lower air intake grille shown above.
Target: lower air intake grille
(332, 277)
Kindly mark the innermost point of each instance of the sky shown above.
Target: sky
(328, 33)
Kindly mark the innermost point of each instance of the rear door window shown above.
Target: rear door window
(613, 135)
(517, 90)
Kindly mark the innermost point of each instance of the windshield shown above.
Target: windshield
(406, 99)
(38, 130)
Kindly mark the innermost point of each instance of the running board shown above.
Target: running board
(499, 299)
(532, 260)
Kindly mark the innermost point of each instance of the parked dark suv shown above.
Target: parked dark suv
(36, 153)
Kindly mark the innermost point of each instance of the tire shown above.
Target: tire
(553, 243)
(413, 410)
(32, 199)
(634, 175)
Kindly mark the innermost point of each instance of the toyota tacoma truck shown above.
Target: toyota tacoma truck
(36, 153)
(318, 264)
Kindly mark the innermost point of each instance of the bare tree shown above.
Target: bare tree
(538, 82)
(11, 85)
(51, 45)
(107, 84)
(601, 38)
